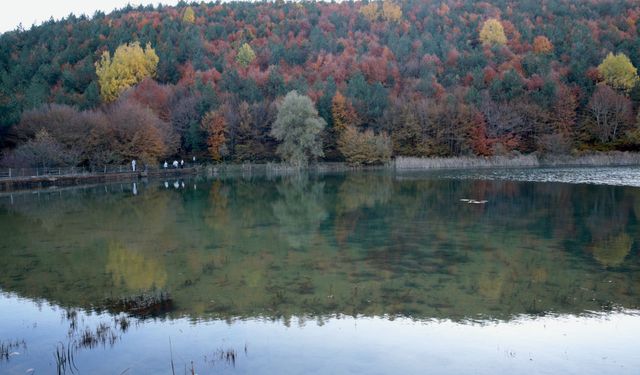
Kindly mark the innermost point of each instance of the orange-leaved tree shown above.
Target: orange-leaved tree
(214, 124)
(542, 45)
(343, 113)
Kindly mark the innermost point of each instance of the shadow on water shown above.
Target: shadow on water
(143, 305)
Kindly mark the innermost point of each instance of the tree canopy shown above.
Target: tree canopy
(492, 32)
(189, 15)
(618, 71)
(130, 65)
(440, 78)
(245, 55)
(298, 128)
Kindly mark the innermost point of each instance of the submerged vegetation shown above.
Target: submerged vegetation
(388, 78)
(10, 348)
(65, 359)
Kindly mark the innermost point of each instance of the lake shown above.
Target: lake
(523, 271)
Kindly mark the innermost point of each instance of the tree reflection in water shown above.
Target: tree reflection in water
(370, 244)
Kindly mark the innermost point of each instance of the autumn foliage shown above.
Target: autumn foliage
(130, 64)
(214, 125)
(440, 78)
(492, 33)
(344, 115)
(123, 131)
(542, 45)
(364, 148)
(391, 11)
(245, 55)
(189, 15)
(370, 11)
(618, 71)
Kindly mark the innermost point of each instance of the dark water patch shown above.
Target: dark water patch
(149, 304)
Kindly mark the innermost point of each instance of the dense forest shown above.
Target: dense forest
(391, 78)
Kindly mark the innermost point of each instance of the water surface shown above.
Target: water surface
(346, 273)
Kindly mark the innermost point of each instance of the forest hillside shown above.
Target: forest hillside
(390, 78)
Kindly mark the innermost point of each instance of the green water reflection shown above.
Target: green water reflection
(358, 244)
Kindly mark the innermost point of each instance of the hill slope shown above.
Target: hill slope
(423, 72)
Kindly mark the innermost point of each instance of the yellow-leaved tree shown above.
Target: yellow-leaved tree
(370, 11)
(391, 11)
(189, 15)
(492, 33)
(618, 71)
(245, 55)
(129, 65)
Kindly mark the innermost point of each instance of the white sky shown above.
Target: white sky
(29, 12)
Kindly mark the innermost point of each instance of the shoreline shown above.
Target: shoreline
(54, 181)
(400, 164)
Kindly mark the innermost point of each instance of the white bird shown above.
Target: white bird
(473, 201)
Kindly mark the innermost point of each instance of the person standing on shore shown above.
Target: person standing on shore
(182, 163)
(133, 165)
(166, 165)
(175, 164)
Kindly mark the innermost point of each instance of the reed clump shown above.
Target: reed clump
(9, 348)
(463, 162)
(65, 361)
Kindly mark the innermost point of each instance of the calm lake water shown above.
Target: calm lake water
(359, 273)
